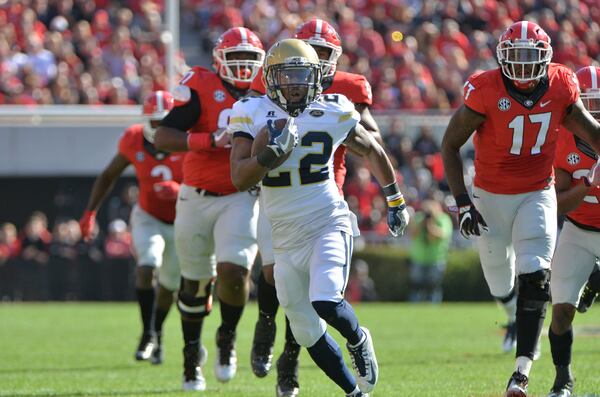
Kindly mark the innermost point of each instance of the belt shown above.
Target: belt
(204, 192)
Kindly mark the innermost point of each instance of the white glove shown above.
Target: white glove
(283, 141)
(594, 174)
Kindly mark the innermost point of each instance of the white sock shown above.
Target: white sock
(523, 365)
(510, 308)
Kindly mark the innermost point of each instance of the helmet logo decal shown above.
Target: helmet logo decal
(504, 104)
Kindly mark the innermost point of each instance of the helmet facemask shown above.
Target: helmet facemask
(293, 86)
(591, 101)
(524, 61)
(239, 66)
(328, 66)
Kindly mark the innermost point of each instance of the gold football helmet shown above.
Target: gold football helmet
(292, 74)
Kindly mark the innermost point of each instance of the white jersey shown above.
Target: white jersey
(300, 197)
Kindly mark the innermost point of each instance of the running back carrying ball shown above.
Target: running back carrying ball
(262, 140)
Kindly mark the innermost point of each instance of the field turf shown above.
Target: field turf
(449, 350)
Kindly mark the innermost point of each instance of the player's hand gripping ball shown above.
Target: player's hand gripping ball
(280, 136)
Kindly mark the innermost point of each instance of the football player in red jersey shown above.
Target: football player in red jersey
(158, 174)
(326, 42)
(516, 111)
(215, 226)
(577, 169)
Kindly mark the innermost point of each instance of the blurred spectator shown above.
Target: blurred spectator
(431, 232)
(118, 274)
(120, 207)
(361, 287)
(90, 257)
(63, 272)
(32, 275)
(9, 251)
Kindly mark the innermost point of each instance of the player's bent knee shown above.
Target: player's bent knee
(327, 309)
(231, 273)
(307, 329)
(534, 291)
(196, 305)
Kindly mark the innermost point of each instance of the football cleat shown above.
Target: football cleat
(587, 299)
(261, 356)
(509, 343)
(226, 361)
(364, 363)
(194, 357)
(517, 385)
(145, 347)
(287, 372)
(357, 393)
(157, 356)
(562, 390)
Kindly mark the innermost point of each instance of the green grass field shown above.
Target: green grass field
(448, 350)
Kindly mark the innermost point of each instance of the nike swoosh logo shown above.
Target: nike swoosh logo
(542, 104)
(373, 375)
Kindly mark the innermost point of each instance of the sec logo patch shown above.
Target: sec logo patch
(504, 104)
(573, 158)
(139, 156)
(219, 95)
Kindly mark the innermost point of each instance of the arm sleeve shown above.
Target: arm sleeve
(473, 94)
(241, 122)
(572, 87)
(363, 92)
(184, 116)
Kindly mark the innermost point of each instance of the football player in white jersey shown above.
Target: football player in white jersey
(312, 227)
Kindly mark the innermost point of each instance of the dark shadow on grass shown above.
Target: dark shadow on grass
(97, 393)
(75, 369)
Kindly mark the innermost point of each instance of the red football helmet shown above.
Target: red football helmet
(156, 107)
(589, 89)
(317, 32)
(238, 72)
(524, 53)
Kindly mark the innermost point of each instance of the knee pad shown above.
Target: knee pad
(198, 305)
(534, 291)
(307, 327)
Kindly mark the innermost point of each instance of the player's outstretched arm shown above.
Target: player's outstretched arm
(171, 135)
(461, 126)
(580, 122)
(367, 121)
(246, 171)
(363, 143)
(102, 186)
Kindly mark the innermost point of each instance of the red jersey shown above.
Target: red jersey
(356, 88)
(151, 167)
(573, 160)
(516, 144)
(208, 169)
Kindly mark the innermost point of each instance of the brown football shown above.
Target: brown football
(262, 138)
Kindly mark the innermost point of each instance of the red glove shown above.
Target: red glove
(86, 224)
(166, 190)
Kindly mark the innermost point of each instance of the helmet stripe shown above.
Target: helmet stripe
(593, 71)
(159, 102)
(319, 28)
(243, 35)
(524, 30)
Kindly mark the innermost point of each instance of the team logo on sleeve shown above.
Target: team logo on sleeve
(316, 113)
(139, 156)
(219, 95)
(573, 158)
(504, 104)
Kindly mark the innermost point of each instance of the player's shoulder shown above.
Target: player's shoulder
(561, 74)
(485, 78)
(349, 79)
(133, 132)
(250, 104)
(334, 103)
(355, 86)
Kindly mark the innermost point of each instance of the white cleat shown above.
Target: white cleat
(225, 365)
(364, 363)
(194, 359)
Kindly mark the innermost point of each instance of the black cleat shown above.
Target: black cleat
(157, 356)
(145, 347)
(562, 389)
(509, 343)
(287, 371)
(261, 356)
(517, 385)
(587, 299)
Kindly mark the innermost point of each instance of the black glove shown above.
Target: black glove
(470, 221)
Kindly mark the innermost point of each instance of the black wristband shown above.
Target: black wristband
(266, 158)
(462, 200)
(391, 189)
